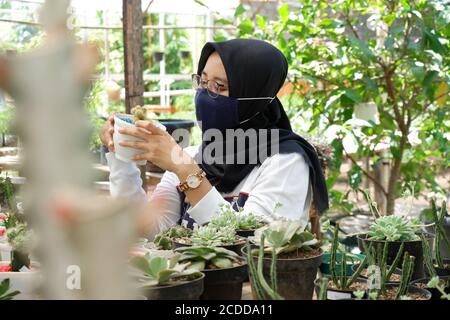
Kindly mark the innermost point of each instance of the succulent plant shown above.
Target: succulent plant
(4, 288)
(158, 271)
(236, 219)
(283, 236)
(393, 228)
(342, 282)
(139, 113)
(213, 236)
(200, 258)
(163, 240)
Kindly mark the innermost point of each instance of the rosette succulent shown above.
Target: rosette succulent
(393, 228)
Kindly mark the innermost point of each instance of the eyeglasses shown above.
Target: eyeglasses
(211, 86)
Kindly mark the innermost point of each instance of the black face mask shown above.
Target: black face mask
(220, 112)
(254, 68)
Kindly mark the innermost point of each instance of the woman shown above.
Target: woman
(237, 82)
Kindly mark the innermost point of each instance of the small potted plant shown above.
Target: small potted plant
(122, 120)
(212, 236)
(340, 284)
(162, 278)
(289, 255)
(245, 224)
(22, 273)
(164, 239)
(225, 271)
(402, 291)
(442, 287)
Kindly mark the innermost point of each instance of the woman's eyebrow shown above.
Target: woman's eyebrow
(215, 78)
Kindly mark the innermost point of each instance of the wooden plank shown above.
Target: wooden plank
(133, 53)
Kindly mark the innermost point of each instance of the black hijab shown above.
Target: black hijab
(256, 68)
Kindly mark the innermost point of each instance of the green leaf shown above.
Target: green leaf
(353, 95)
(222, 263)
(283, 10)
(141, 263)
(164, 276)
(223, 21)
(158, 263)
(246, 27)
(4, 286)
(355, 177)
(261, 21)
(239, 10)
(197, 265)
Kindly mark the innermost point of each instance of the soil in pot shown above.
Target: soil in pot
(183, 289)
(414, 248)
(296, 272)
(414, 293)
(333, 293)
(224, 284)
(395, 277)
(435, 293)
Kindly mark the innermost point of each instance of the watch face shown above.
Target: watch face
(193, 181)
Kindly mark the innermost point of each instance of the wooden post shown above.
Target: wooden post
(133, 53)
(134, 60)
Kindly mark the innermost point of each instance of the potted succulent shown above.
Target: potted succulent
(377, 261)
(225, 271)
(245, 224)
(396, 231)
(351, 258)
(122, 120)
(164, 239)
(402, 291)
(23, 274)
(212, 236)
(340, 284)
(287, 253)
(162, 278)
(439, 286)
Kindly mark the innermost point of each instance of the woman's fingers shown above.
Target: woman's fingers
(135, 132)
(141, 145)
(150, 126)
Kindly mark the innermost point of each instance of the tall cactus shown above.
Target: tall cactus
(407, 271)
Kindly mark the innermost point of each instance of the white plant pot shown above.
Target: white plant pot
(5, 251)
(126, 154)
(26, 282)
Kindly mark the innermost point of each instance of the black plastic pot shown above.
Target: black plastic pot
(245, 233)
(182, 136)
(435, 294)
(233, 247)
(414, 248)
(190, 290)
(295, 276)
(336, 294)
(224, 284)
(443, 272)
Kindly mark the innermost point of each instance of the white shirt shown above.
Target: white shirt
(281, 178)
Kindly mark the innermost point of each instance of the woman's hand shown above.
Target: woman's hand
(106, 135)
(157, 147)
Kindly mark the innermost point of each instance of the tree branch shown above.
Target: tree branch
(367, 174)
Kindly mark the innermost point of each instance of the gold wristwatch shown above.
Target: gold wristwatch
(193, 181)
